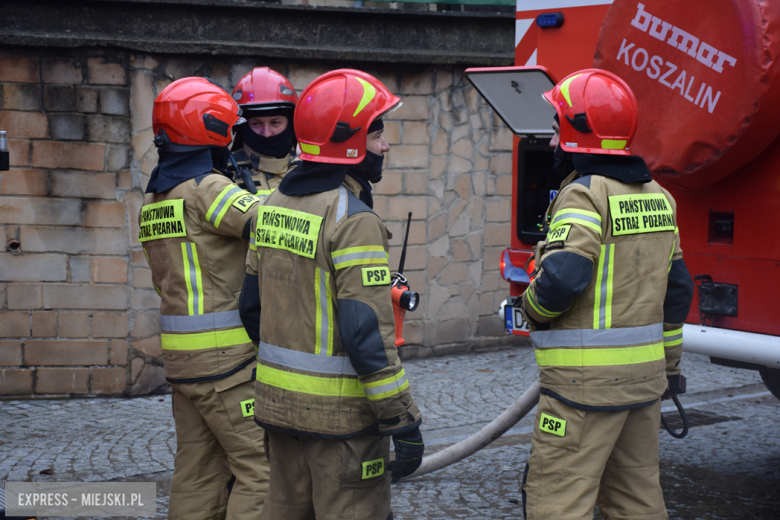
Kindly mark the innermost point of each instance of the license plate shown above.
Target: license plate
(518, 323)
(514, 321)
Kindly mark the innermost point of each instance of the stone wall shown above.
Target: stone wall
(78, 313)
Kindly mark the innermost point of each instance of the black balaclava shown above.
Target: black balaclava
(369, 170)
(174, 168)
(278, 145)
(562, 160)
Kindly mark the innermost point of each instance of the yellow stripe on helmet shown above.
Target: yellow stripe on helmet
(565, 88)
(369, 92)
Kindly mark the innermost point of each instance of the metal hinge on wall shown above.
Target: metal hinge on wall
(715, 299)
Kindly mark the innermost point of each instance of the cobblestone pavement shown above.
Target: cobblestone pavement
(726, 470)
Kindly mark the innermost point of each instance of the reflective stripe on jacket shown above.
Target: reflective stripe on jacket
(327, 362)
(597, 303)
(192, 237)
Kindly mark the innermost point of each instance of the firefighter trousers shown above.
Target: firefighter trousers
(217, 439)
(579, 457)
(321, 479)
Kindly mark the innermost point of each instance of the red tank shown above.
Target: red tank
(706, 75)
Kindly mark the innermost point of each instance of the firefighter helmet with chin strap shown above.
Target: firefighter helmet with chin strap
(264, 90)
(597, 112)
(193, 113)
(335, 112)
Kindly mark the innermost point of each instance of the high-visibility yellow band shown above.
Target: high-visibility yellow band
(539, 309)
(387, 387)
(221, 203)
(193, 278)
(359, 249)
(394, 391)
(610, 276)
(324, 313)
(231, 199)
(602, 302)
(359, 256)
(613, 144)
(201, 340)
(673, 337)
(360, 261)
(312, 385)
(311, 149)
(576, 216)
(594, 357)
(396, 377)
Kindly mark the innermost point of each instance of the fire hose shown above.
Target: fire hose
(483, 437)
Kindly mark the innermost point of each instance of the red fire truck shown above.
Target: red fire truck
(706, 75)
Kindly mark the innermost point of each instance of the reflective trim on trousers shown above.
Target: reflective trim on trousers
(339, 365)
(598, 337)
(210, 321)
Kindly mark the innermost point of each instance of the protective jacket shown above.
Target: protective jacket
(194, 238)
(318, 282)
(608, 302)
(267, 172)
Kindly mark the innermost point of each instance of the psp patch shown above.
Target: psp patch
(244, 202)
(559, 234)
(373, 469)
(552, 425)
(376, 276)
(248, 408)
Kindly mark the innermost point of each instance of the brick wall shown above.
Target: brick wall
(78, 313)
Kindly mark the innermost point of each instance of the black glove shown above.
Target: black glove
(677, 386)
(409, 448)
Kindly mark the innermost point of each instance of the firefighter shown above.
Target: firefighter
(331, 390)
(193, 226)
(265, 143)
(606, 309)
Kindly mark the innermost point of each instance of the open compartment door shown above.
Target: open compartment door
(515, 93)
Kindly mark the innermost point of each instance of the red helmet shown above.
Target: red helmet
(336, 109)
(262, 90)
(597, 112)
(194, 112)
